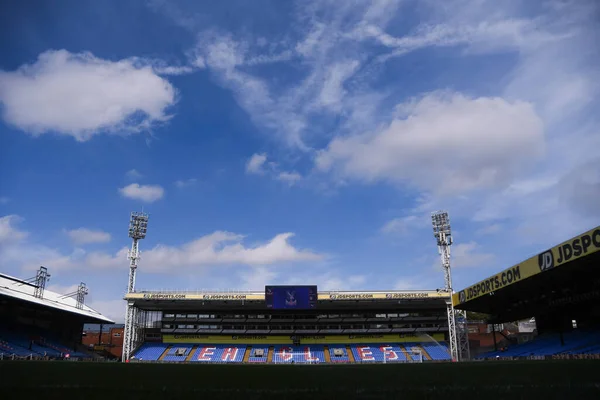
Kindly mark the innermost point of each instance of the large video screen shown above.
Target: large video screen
(291, 297)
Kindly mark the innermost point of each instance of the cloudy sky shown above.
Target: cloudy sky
(293, 142)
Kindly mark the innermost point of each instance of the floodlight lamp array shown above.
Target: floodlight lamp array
(138, 225)
(441, 228)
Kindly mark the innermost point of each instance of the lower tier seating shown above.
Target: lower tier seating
(219, 353)
(575, 342)
(281, 354)
(28, 343)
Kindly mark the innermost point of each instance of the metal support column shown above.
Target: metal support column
(458, 331)
(138, 225)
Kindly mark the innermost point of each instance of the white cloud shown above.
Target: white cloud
(8, 231)
(218, 248)
(445, 143)
(259, 164)
(113, 309)
(62, 289)
(227, 248)
(489, 229)
(183, 183)
(409, 284)
(290, 178)
(255, 164)
(580, 189)
(87, 236)
(404, 225)
(133, 174)
(467, 255)
(146, 193)
(333, 92)
(81, 95)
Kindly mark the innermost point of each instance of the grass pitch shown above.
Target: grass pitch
(495, 380)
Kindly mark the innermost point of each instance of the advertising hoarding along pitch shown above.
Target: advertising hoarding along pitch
(573, 249)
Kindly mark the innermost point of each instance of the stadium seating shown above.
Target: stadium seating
(7, 349)
(575, 342)
(437, 351)
(375, 353)
(258, 359)
(299, 354)
(224, 353)
(26, 343)
(342, 357)
(219, 353)
(150, 351)
(173, 355)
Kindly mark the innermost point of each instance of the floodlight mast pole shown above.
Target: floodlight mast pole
(138, 225)
(459, 339)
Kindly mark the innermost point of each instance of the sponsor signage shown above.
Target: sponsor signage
(282, 339)
(573, 249)
(261, 296)
(195, 296)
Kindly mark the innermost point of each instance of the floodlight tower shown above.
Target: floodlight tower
(459, 339)
(82, 291)
(79, 295)
(138, 225)
(41, 278)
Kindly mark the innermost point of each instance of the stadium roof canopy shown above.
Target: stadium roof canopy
(20, 290)
(566, 275)
(255, 300)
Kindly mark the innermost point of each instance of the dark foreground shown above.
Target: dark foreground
(575, 379)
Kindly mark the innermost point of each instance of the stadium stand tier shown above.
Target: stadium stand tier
(558, 289)
(311, 354)
(40, 323)
(344, 327)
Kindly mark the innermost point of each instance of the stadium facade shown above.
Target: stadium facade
(379, 326)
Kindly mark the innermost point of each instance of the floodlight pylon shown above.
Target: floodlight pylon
(458, 332)
(138, 225)
(79, 295)
(41, 278)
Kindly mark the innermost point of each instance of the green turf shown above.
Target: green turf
(541, 380)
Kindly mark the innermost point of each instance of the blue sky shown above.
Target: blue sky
(293, 142)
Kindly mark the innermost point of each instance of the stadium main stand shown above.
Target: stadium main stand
(342, 327)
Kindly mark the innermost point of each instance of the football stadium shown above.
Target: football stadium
(299, 341)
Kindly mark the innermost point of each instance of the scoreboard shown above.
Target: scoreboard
(291, 297)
